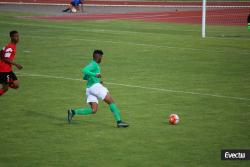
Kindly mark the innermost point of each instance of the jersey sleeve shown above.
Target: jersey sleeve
(88, 70)
(8, 53)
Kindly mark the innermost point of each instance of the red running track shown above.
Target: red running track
(218, 16)
(214, 17)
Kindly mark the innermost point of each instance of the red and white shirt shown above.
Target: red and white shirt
(8, 52)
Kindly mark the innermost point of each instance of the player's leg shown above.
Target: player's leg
(88, 110)
(73, 6)
(112, 106)
(92, 100)
(116, 112)
(104, 94)
(82, 111)
(69, 7)
(3, 83)
(3, 89)
(15, 84)
(13, 81)
(77, 7)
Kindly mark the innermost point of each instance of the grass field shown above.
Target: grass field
(165, 68)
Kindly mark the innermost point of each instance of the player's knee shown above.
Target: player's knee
(108, 99)
(15, 86)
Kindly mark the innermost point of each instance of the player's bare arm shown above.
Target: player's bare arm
(18, 66)
(98, 75)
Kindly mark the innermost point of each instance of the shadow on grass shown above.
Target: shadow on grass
(62, 119)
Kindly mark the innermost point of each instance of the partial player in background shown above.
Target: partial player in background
(248, 21)
(74, 6)
(95, 90)
(7, 76)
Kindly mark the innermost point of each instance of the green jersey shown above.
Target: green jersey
(89, 73)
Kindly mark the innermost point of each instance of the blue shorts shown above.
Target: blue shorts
(74, 4)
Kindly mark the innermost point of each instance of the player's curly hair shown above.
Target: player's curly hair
(13, 33)
(99, 52)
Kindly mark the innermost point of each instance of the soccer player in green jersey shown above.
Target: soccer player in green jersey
(95, 90)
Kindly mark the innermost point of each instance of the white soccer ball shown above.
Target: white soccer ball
(73, 10)
(173, 119)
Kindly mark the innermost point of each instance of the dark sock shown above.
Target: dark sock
(65, 10)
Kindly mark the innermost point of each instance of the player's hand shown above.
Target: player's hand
(98, 75)
(19, 66)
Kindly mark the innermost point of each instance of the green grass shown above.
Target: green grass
(34, 131)
(194, 0)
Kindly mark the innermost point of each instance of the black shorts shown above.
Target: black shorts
(7, 77)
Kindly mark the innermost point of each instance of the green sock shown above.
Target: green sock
(83, 111)
(115, 111)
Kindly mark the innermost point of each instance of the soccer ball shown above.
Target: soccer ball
(173, 119)
(73, 10)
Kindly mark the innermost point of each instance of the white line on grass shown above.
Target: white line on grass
(122, 31)
(138, 44)
(104, 30)
(245, 52)
(66, 28)
(97, 30)
(136, 86)
(26, 51)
